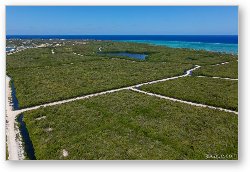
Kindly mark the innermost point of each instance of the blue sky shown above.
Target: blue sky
(106, 20)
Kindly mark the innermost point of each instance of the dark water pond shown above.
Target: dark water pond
(130, 55)
(28, 146)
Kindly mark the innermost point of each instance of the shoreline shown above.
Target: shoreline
(184, 45)
(169, 44)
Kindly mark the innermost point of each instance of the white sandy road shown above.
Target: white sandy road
(223, 63)
(216, 77)
(15, 149)
(166, 79)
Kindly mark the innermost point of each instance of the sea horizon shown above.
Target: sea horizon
(219, 38)
(214, 43)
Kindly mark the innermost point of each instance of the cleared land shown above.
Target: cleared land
(209, 91)
(129, 125)
(229, 70)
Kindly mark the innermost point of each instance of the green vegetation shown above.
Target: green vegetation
(40, 76)
(169, 55)
(229, 70)
(130, 125)
(45, 84)
(125, 124)
(209, 91)
(42, 57)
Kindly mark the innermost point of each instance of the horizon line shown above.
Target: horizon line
(121, 35)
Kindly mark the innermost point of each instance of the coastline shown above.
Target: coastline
(211, 43)
(210, 47)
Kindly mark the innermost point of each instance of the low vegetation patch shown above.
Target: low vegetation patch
(130, 125)
(41, 77)
(209, 91)
(229, 70)
(52, 83)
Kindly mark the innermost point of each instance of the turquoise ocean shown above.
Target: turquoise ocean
(216, 43)
(215, 47)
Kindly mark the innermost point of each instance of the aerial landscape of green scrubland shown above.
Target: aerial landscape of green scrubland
(209, 91)
(189, 109)
(220, 70)
(130, 125)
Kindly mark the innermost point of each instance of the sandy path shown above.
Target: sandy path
(216, 77)
(183, 101)
(166, 79)
(223, 63)
(15, 149)
(70, 100)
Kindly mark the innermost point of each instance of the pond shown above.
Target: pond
(130, 55)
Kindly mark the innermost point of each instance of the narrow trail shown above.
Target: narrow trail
(15, 149)
(69, 100)
(223, 63)
(166, 79)
(183, 101)
(216, 77)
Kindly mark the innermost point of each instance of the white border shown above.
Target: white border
(244, 161)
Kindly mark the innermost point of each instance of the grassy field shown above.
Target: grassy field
(45, 84)
(41, 77)
(125, 124)
(209, 91)
(229, 70)
(41, 57)
(63, 55)
(130, 125)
